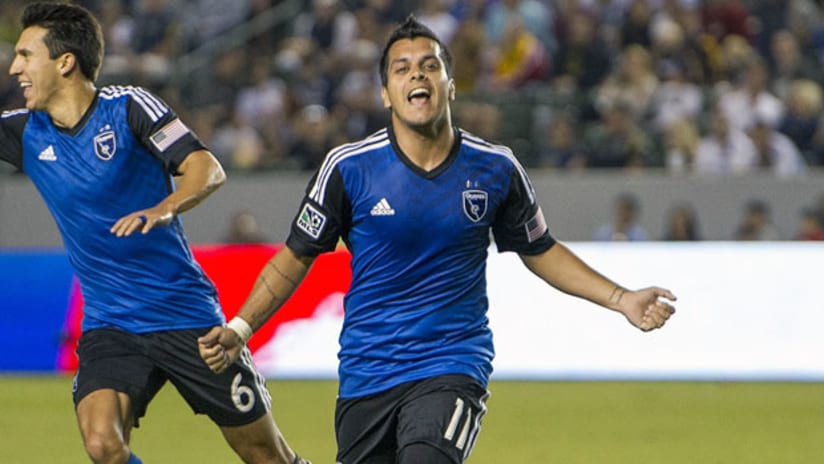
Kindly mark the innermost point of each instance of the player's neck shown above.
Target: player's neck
(426, 147)
(70, 103)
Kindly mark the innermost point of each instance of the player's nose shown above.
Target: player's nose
(14, 68)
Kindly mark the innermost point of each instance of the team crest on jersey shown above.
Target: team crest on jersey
(105, 144)
(474, 204)
(311, 221)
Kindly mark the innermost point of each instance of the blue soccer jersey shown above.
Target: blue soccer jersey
(119, 159)
(417, 304)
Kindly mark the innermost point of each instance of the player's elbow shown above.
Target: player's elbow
(218, 177)
(203, 171)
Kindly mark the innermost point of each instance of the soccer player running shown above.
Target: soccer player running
(414, 204)
(103, 161)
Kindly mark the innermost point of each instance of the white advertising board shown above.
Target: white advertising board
(745, 311)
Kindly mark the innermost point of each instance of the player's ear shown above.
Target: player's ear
(385, 97)
(451, 89)
(66, 63)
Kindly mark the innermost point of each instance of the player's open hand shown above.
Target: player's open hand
(144, 220)
(649, 308)
(220, 348)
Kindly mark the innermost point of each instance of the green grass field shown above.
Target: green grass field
(528, 422)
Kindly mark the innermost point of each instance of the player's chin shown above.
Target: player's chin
(417, 117)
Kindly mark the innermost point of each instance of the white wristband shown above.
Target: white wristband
(241, 328)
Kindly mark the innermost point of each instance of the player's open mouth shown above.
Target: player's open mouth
(418, 96)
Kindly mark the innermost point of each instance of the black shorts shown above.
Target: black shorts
(444, 412)
(140, 364)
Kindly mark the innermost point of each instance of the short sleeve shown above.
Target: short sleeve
(12, 124)
(520, 225)
(324, 215)
(160, 130)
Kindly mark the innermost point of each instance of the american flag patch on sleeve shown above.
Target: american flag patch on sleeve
(169, 134)
(536, 226)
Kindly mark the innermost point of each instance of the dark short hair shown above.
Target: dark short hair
(71, 29)
(411, 29)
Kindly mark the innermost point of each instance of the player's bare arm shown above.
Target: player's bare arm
(200, 175)
(275, 284)
(646, 309)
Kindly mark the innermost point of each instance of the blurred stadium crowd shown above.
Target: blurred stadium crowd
(705, 87)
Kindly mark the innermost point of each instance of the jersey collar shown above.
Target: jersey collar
(72, 131)
(453, 154)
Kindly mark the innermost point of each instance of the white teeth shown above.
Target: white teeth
(419, 93)
(25, 84)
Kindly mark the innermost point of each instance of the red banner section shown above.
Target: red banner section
(234, 269)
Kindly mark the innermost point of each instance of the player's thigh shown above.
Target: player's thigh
(114, 373)
(260, 441)
(235, 397)
(258, 433)
(444, 412)
(105, 415)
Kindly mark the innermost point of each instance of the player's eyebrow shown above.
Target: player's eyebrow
(406, 59)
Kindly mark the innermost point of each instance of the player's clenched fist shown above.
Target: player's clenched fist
(220, 348)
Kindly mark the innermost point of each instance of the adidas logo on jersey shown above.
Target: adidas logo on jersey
(382, 208)
(47, 154)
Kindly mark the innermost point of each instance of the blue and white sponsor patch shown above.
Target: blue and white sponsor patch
(311, 221)
(105, 145)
